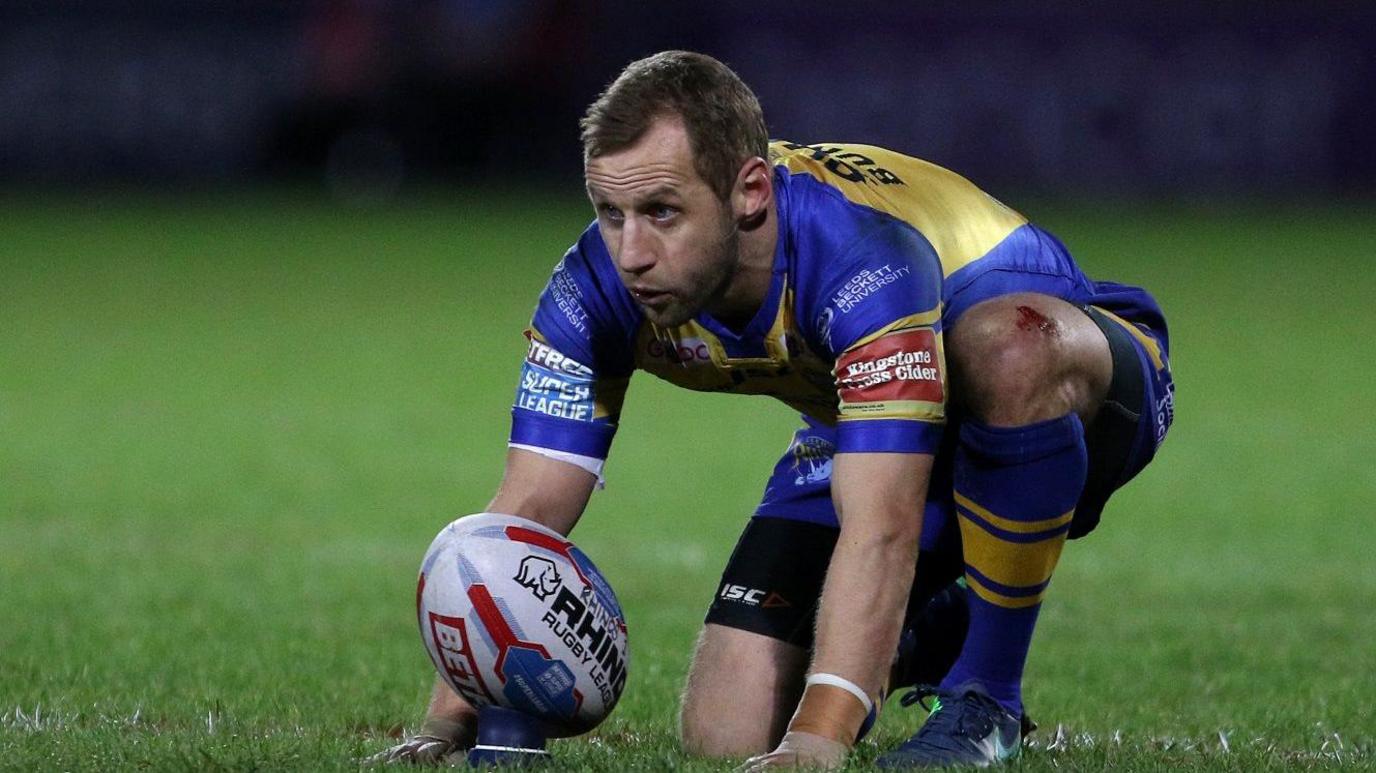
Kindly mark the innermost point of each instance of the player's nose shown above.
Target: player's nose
(637, 253)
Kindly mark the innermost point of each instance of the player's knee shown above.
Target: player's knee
(1024, 358)
(713, 732)
(740, 691)
(709, 728)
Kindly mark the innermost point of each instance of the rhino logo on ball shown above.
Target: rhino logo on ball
(540, 575)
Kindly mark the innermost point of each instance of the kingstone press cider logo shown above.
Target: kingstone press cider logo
(898, 366)
(593, 634)
(904, 366)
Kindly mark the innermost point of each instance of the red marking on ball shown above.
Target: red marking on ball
(1029, 319)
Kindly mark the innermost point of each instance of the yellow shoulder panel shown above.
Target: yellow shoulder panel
(961, 221)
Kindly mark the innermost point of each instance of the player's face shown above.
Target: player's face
(674, 242)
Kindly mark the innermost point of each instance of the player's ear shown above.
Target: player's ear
(753, 191)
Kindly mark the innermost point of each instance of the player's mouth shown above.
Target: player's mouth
(648, 297)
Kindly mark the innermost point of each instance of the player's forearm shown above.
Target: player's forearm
(858, 626)
(879, 499)
(862, 605)
(544, 490)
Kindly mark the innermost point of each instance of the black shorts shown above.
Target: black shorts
(773, 580)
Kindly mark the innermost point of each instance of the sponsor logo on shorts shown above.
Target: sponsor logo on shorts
(898, 366)
(752, 597)
(540, 575)
(867, 283)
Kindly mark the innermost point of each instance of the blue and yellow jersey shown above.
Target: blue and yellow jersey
(874, 250)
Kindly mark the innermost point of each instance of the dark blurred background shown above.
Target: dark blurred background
(264, 267)
(367, 98)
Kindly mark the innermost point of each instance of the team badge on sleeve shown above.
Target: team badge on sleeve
(555, 385)
(896, 375)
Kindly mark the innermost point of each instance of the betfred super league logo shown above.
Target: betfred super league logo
(540, 575)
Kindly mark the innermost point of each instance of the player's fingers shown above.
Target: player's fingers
(774, 759)
(388, 755)
(415, 751)
(430, 752)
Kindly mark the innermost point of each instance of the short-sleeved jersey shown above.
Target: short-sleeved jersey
(873, 249)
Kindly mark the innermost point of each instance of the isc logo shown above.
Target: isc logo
(750, 596)
(753, 597)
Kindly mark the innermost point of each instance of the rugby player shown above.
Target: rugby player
(970, 400)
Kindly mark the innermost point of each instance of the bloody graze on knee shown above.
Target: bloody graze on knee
(1030, 319)
(1025, 358)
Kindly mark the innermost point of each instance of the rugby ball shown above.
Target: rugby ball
(514, 615)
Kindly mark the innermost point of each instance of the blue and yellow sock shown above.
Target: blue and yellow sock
(1016, 489)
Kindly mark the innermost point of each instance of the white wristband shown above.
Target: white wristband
(833, 680)
(590, 463)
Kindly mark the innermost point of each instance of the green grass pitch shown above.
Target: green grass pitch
(229, 426)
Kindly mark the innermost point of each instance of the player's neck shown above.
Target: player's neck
(750, 285)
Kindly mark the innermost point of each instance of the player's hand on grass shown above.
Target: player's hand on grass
(800, 750)
(416, 750)
(431, 745)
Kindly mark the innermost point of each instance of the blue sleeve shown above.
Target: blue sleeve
(578, 361)
(881, 319)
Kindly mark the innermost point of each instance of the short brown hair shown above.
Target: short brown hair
(723, 118)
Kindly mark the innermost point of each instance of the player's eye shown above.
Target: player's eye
(611, 213)
(662, 212)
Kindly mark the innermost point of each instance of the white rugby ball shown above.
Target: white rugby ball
(514, 615)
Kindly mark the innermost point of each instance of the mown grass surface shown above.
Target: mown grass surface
(229, 426)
